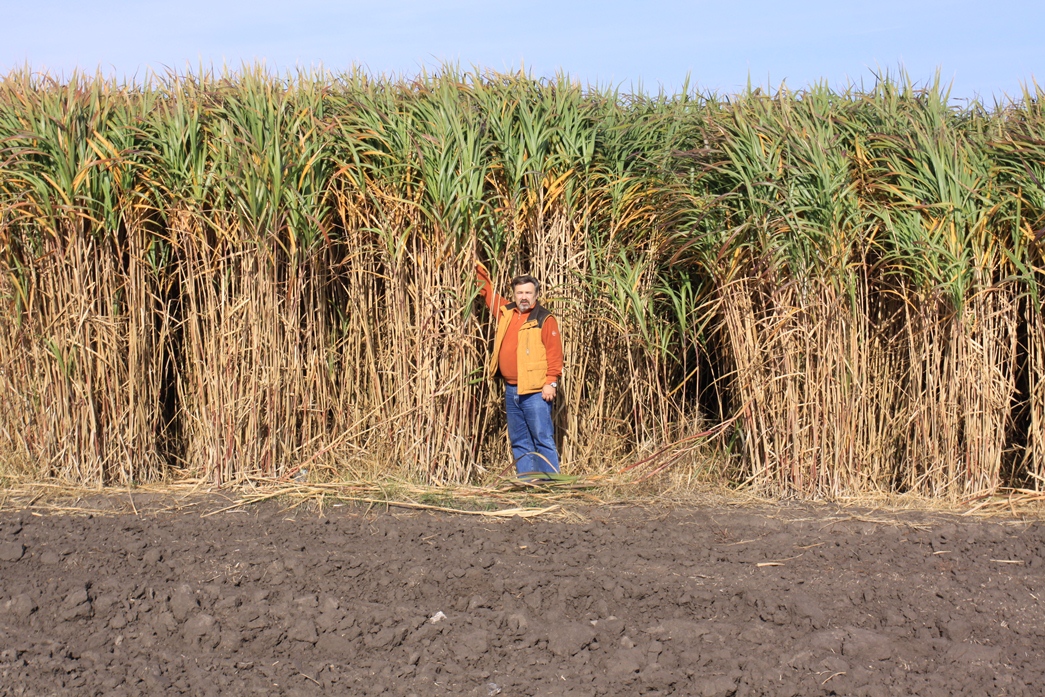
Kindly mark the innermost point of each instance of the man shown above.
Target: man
(527, 353)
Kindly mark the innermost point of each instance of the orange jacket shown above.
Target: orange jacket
(527, 349)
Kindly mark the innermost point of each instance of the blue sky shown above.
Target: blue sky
(983, 48)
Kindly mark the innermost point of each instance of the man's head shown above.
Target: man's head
(524, 291)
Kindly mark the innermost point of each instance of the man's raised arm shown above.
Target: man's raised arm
(493, 300)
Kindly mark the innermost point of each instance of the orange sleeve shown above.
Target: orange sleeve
(493, 300)
(552, 349)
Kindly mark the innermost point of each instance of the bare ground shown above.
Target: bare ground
(773, 600)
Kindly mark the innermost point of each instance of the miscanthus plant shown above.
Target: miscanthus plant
(234, 275)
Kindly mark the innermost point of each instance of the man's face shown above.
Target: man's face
(525, 296)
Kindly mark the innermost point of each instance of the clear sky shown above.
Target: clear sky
(985, 48)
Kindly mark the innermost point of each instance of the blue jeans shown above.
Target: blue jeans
(531, 431)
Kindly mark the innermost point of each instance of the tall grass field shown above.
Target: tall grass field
(239, 275)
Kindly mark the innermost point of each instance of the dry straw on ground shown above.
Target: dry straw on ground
(573, 501)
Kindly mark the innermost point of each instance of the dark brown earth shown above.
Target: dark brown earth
(628, 602)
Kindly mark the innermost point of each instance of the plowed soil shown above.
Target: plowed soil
(785, 600)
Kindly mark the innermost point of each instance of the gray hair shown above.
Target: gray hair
(527, 278)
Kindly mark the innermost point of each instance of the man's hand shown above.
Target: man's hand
(482, 272)
(548, 393)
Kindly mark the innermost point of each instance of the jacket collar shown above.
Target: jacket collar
(533, 311)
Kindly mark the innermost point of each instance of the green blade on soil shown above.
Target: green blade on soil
(544, 481)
